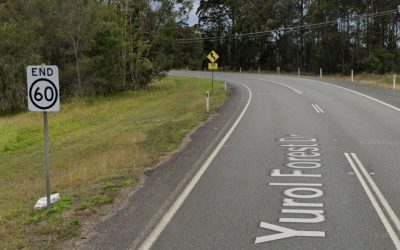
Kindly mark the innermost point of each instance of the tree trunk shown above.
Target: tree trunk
(78, 72)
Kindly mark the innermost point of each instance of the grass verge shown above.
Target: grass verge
(375, 80)
(98, 145)
(380, 81)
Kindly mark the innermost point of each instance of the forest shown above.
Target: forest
(100, 46)
(107, 46)
(336, 35)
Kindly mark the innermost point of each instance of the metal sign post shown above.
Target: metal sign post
(212, 67)
(43, 96)
(46, 156)
(212, 80)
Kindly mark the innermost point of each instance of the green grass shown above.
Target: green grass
(98, 145)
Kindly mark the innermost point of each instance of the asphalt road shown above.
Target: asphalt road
(288, 163)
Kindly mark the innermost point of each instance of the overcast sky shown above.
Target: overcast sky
(192, 16)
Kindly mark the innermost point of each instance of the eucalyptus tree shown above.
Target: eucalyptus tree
(336, 35)
(99, 46)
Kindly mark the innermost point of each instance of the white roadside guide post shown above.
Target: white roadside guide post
(320, 72)
(240, 69)
(208, 101)
(259, 72)
(394, 81)
(279, 70)
(352, 75)
(298, 71)
(44, 96)
(225, 87)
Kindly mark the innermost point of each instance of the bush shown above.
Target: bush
(381, 60)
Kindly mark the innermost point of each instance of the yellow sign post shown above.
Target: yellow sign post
(213, 66)
(213, 57)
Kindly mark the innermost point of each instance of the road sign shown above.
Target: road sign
(43, 88)
(213, 66)
(213, 56)
(44, 96)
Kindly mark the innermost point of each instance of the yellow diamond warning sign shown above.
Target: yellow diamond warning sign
(213, 66)
(213, 56)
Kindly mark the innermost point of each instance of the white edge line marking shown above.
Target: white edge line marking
(378, 193)
(150, 240)
(375, 204)
(279, 83)
(352, 91)
(316, 109)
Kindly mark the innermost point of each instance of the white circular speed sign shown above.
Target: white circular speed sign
(43, 88)
(43, 93)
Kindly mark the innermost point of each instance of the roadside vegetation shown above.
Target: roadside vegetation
(109, 46)
(119, 115)
(98, 146)
(100, 46)
(376, 80)
(380, 81)
(336, 35)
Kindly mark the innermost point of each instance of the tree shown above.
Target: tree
(17, 49)
(99, 46)
(335, 35)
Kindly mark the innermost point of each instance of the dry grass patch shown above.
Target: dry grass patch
(381, 81)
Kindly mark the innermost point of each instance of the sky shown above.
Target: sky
(192, 16)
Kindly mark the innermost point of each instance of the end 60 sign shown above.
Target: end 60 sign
(43, 88)
(44, 96)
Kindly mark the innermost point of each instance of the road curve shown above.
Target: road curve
(311, 166)
(305, 165)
